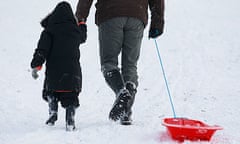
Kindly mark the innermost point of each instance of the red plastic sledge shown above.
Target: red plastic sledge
(186, 129)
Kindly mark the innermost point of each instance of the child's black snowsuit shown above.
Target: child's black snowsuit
(59, 47)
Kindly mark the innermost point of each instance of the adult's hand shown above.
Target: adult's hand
(83, 31)
(154, 33)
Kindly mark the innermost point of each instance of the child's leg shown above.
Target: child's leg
(69, 100)
(53, 108)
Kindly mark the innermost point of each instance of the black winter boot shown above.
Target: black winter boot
(126, 118)
(121, 105)
(70, 123)
(53, 109)
(131, 87)
(114, 80)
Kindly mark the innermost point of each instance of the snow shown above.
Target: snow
(201, 55)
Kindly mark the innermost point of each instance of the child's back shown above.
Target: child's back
(59, 47)
(62, 62)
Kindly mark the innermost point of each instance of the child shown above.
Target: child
(59, 47)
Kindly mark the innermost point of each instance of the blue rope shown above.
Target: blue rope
(165, 79)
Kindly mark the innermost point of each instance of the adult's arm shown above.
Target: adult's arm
(157, 14)
(83, 8)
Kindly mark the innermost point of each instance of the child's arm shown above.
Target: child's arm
(41, 52)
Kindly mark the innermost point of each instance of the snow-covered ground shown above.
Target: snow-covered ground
(201, 54)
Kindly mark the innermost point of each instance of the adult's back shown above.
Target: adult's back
(107, 9)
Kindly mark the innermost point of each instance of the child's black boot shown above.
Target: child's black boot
(53, 110)
(70, 122)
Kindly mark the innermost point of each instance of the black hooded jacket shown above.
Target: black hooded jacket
(59, 47)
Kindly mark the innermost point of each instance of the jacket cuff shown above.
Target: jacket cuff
(81, 22)
(39, 68)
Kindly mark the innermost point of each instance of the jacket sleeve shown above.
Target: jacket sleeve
(157, 13)
(42, 50)
(83, 8)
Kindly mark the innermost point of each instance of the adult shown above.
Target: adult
(120, 26)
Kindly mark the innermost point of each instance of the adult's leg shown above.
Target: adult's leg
(133, 33)
(110, 41)
(111, 37)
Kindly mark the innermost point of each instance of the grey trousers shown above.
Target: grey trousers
(121, 35)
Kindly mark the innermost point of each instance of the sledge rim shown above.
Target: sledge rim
(214, 127)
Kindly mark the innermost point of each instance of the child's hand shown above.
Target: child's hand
(35, 70)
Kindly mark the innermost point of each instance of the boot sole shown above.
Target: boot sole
(116, 113)
(70, 128)
(126, 122)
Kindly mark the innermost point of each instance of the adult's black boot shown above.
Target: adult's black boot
(132, 88)
(70, 122)
(121, 105)
(121, 109)
(53, 110)
(126, 118)
(114, 80)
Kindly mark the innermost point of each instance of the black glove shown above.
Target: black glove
(83, 32)
(35, 70)
(154, 33)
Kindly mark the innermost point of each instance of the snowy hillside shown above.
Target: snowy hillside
(201, 54)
